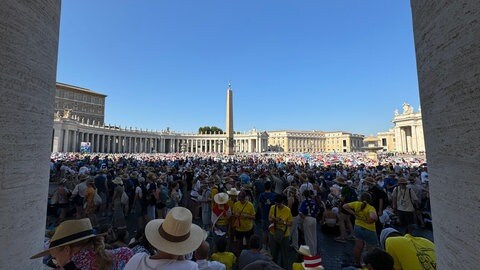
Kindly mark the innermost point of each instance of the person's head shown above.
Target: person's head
(268, 186)
(254, 242)
(366, 198)
(221, 244)
(242, 196)
(370, 182)
(202, 251)
(279, 201)
(386, 233)
(402, 182)
(72, 236)
(307, 194)
(378, 259)
(174, 235)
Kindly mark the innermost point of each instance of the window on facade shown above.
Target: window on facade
(384, 142)
(344, 143)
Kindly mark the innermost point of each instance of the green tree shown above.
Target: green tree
(209, 130)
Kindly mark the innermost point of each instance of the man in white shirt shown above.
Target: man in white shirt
(173, 238)
(201, 255)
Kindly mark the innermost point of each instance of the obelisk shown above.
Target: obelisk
(229, 121)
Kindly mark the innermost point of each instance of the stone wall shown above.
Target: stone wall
(28, 64)
(447, 43)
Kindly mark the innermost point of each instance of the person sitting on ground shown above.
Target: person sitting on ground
(74, 245)
(201, 256)
(172, 237)
(222, 255)
(329, 222)
(408, 252)
(252, 253)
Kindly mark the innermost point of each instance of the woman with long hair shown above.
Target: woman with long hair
(365, 218)
(75, 246)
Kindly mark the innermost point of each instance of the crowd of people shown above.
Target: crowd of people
(252, 211)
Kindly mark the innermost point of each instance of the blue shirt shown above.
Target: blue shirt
(389, 182)
(266, 199)
(309, 208)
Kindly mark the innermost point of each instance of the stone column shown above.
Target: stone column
(28, 65)
(448, 52)
(414, 139)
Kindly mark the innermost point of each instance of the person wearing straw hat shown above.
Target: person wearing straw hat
(404, 202)
(74, 245)
(119, 205)
(173, 237)
(220, 213)
(78, 195)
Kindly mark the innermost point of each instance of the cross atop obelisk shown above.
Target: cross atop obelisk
(229, 121)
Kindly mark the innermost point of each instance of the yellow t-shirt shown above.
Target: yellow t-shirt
(285, 214)
(363, 215)
(227, 258)
(411, 253)
(246, 224)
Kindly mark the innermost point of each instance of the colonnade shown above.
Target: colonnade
(68, 135)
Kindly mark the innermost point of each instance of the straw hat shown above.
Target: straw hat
(304, 250)
(175, 234)
(83, 177)
(402, 181)
(233, 192)
(340, 181)
(117, 181)
(69, 232)
(370, 180)
(221, 198)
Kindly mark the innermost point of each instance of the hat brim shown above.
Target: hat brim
(233, 193)
(175, 248)
(217, 201)
(47, 251)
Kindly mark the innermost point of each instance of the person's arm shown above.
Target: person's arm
(348, 208)
(394, 199)
(372, 217)
(380, 207)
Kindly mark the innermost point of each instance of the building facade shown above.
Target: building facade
(86, 105)
(314, 141)
(408, 128)
(296, 141)
(340, 141)
(406, 136)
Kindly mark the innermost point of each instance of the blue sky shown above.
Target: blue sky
(302, 65)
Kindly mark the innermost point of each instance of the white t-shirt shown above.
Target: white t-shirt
(141, 261)
(138, 191)
(210, 265)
